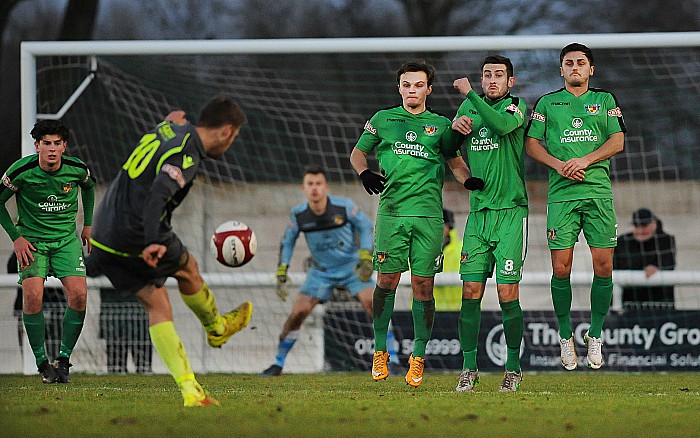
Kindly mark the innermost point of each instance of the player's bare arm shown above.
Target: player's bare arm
(459, 169)
(537, 152)
(85, 237)
(358, 160)
(153, 253)
(613, 145)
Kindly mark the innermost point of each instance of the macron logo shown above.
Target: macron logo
(187, 162)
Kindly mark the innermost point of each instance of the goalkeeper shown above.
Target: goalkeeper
(329, 224)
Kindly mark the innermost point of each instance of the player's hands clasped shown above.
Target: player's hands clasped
(474, 183)
(364, 266)
(282, 291)
(373, 182)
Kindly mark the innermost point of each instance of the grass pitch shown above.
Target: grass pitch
(578, 403)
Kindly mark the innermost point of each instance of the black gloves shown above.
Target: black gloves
(474, 183)
(373, 182)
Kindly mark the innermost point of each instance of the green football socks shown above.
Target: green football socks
(35, 326)
(512, 316)
(72, 326)
(601, 298)
(561, 298)
(468, 326)
(382, 308)
(423, 316)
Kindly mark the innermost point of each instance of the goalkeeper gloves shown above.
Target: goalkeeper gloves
(282, 282)
(373, 182)
(364, 266)
(474, 183)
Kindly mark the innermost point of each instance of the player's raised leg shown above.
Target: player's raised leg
(196, 294)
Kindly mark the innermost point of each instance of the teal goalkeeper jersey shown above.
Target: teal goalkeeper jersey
(411, 150)
(573, 127)
(47, 202)
(494, 150)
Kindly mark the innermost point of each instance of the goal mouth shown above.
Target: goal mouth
(307, 102)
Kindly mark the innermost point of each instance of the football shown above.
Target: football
(233, 244)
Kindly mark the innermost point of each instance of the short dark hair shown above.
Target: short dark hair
(576, 47)
(220, 111)
(49, 127)
(498, 59)
(313, 169)
(419, 65)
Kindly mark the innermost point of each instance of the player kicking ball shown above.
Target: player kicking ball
(136, 248)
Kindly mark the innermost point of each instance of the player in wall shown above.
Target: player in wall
(412, 145)
(46, 186)
(582, 128)
(136, 248)
(496, 229)
(329, 224)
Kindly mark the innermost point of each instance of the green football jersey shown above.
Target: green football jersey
(572, 128)
(47, 203)
(494, 150)
(411, 150)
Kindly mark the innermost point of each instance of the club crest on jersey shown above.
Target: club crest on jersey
(67, 187)
(338, 219)
(369, 128)
(592, 108)
(380, 256)
(463, 258)
(430, 130)
(551, 234)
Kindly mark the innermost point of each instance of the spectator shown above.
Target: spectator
(650, 249)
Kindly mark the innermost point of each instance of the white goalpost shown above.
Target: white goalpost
(307, 100)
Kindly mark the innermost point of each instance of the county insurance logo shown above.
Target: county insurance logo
(577, 122)
(496, 347)
(411, 136)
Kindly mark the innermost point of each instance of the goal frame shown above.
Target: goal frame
(30, 50)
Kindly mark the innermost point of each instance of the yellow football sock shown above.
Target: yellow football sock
(204, 307)
(170, 349)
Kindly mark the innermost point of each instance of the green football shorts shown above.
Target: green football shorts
(596, 217)
(62, 258)
(400, 242)
(494, 237)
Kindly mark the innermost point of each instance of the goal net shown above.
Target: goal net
(308, 105)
